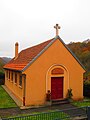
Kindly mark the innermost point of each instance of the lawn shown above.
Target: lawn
(5, 99)
(53, 115)
(84, 103)
(7, 102)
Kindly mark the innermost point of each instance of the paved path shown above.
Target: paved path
(15, 111)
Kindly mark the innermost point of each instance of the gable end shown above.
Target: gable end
(39, 54)
(71, 53)
(57, 37)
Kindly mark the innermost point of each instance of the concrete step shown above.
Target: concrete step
(56, 102)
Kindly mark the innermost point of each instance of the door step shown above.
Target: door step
(58, 102)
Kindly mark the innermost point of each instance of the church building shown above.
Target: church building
(44, 72)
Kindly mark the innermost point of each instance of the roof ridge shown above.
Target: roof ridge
(50, 42)
(38, 44)
(71, 53)
(27, 56)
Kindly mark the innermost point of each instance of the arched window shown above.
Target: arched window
(56, 71)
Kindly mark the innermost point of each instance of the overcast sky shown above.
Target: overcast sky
(30, 22)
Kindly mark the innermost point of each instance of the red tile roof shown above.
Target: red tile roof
(26, 56)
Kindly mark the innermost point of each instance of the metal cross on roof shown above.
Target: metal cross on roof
(57, 27)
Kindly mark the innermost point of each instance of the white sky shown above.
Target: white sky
(31, 22)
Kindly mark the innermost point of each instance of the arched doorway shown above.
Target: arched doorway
(57, 82)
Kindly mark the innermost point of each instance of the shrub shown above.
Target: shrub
(2, 78)
(86, 88)
(69, 94)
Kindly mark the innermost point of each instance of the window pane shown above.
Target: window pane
(20, 80)
(12, 76)
(15, 77)
(9, 75)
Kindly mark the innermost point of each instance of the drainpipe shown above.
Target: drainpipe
(24, 89)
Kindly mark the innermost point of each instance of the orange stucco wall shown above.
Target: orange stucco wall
(14, 87)
(39, 72)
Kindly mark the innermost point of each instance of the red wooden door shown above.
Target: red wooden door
(56, 88)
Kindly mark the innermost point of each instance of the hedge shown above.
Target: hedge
(86, 89)
(2, 78)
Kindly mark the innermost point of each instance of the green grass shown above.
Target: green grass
(43, 116)
(7, 102)
(84, 103)
(5, 99)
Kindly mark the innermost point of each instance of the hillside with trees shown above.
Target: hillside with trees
(1, 66)
(3, 61)
(82, 52)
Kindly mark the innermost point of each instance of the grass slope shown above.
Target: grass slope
(5, 99)
(82, 103)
